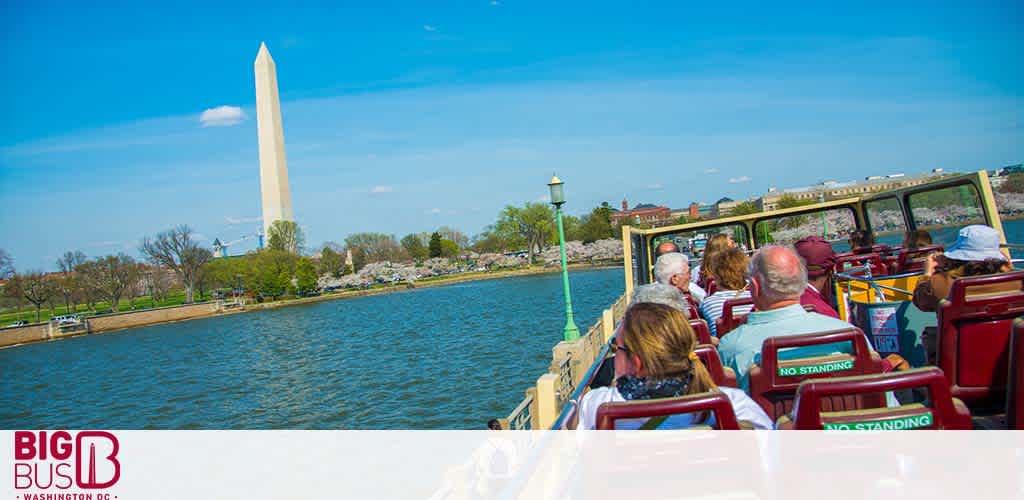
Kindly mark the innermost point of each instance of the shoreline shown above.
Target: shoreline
(37, 333)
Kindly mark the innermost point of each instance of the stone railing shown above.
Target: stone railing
(570, 361)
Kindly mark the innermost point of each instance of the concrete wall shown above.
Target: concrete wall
(150, 316)
(38, 333)
(23, 334)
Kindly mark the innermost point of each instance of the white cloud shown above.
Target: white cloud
(434, 211)
(222, 116)
(711, 171)
(234, 221)
(381, 189)
(654, 186)
(427, 27)
(738, 180)
(495, 2)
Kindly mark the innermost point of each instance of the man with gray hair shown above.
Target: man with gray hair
(777, 280)
(658, 293)
(673, 269)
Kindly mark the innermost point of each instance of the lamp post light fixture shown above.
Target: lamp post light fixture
(571, 332)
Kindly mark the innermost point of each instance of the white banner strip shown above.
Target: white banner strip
(51, 465)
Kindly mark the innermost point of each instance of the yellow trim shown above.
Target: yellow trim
(627, 259)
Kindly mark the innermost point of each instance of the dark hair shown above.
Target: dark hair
(917, 238)
(658, 252)
(974, 267)
(494, 425)
(861, 238)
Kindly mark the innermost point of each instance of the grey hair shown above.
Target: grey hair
(778, 282)
(669, 265)
(658, 293)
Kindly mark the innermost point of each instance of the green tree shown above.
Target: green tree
(270, 273)
(448, 233)
(286, 235)
(597, 225)
(488, 242)
(306, 279)
(435, 245)
(413, 245)
(449, 249)
(530, 226)
(744, 208)
(331, 262)
(571, 226)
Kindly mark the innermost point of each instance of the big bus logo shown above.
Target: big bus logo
(87, 460)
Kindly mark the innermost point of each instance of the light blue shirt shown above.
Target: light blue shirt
(742, 347)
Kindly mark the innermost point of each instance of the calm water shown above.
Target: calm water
(438, 358)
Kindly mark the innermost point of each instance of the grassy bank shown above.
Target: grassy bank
(176, 299)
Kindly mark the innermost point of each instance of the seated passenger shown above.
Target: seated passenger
(918, 238)
(730, 277)
(718, 243)
(975, 252)
(861, 241)
(654, 359)
(820, 259)
(657, 293)
(777, 280)
(673, 268)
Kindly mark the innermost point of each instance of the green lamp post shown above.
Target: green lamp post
(571, 332)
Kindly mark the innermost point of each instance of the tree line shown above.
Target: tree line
(175, 260)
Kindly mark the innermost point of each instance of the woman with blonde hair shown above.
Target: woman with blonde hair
(654, 358)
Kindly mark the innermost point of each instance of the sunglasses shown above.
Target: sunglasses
(616, 348)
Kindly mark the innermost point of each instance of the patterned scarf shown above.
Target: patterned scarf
(636, 388)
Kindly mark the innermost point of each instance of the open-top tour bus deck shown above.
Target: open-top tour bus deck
(974, 374)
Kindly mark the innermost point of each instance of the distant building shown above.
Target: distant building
(832, 190)
(642, 213)
(724, 207)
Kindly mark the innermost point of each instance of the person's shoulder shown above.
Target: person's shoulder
(746, 408)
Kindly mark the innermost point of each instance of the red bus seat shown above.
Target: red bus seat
(974, 336)
(710, 286)
(693, 312)
(854, 260)
(774, 382)
(944, 413)
(1014, 398)
(730, 319)
(719, 374)
(714, 402)
(700, 327)
(912, 261)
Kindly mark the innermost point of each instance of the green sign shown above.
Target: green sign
(831, 366)
(892, 424)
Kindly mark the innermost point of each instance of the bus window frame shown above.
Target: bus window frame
(881, 198)
(979, 180)
(851, 207)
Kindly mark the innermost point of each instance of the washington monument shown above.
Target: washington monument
(277, 198)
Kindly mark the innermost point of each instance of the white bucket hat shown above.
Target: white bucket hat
(976, 243)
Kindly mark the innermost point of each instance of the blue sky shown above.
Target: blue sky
(401, 117)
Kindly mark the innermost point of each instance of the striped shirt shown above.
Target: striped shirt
(712, 305)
